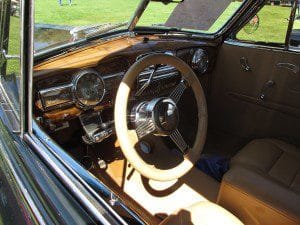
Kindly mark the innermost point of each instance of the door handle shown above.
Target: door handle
(289, 66)
(266, 87)
(245, 65)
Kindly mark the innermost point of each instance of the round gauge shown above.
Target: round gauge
(200, 61)
(89, 88)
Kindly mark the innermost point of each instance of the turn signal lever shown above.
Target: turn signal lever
(265, 88)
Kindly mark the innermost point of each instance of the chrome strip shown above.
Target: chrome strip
(30, 66)
(261, 46)
(55, 92)
(27, 33)
(23, 84)
(114, 75)
(252, 45)
(161, 73)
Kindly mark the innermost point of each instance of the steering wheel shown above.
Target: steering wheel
(160, 117)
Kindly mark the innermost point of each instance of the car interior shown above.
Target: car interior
(148, 107)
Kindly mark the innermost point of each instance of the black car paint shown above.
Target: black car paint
(29, 192)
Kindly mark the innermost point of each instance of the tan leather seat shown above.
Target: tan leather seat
(202, 213)
(263, 183)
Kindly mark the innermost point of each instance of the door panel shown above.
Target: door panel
(263, 101)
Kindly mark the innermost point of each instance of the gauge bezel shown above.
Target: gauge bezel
(75, 81)
(195, 65)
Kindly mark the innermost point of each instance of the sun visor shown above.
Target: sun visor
(197, 14)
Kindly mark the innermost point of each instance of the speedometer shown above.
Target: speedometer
(89, 88)
(200, 61)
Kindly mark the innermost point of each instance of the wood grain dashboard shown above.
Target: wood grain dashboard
(107, 57)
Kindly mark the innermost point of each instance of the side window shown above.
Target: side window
(13, 66)
(269, 25)
(10, 49)
(295, 34)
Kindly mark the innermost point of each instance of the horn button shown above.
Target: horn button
(166, 116)
(160, 114)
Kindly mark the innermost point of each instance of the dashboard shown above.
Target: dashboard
(88, 91)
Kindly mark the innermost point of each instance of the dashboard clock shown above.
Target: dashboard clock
(88, 88)
(200, 61)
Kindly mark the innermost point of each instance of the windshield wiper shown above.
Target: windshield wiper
(92, 30)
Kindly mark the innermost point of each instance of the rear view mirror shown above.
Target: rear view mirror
(252, 25)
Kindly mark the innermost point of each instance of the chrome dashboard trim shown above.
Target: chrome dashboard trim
(161, 73)
(68, 90)
(56, 92)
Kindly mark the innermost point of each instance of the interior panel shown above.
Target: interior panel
(255, 93)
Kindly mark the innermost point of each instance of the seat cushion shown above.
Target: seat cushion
(275, 159)
(263, 183)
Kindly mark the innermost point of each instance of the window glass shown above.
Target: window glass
(59, 22)
(10, 71)
(295, 34)
(269, 25)
(13, 66)
(203, 16)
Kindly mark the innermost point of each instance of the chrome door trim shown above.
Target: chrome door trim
(260, 46)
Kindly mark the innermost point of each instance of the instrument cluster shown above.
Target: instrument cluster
(87, 89)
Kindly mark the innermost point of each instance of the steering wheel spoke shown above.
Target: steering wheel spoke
(178, 91)
(144, 128)
(177, 138)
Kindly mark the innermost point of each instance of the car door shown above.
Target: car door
(256, 84)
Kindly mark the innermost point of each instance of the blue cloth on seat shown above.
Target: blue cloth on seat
(213, 165)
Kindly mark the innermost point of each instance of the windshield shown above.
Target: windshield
(203, 16)
(64, 21)
(59, 22)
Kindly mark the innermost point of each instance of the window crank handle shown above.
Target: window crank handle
(267, 85)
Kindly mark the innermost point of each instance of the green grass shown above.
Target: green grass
(13, 66)
(273, 25)
(84, 12)
(104, 11)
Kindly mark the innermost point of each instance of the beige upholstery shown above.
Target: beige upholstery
(263, 183)
(203, 213)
